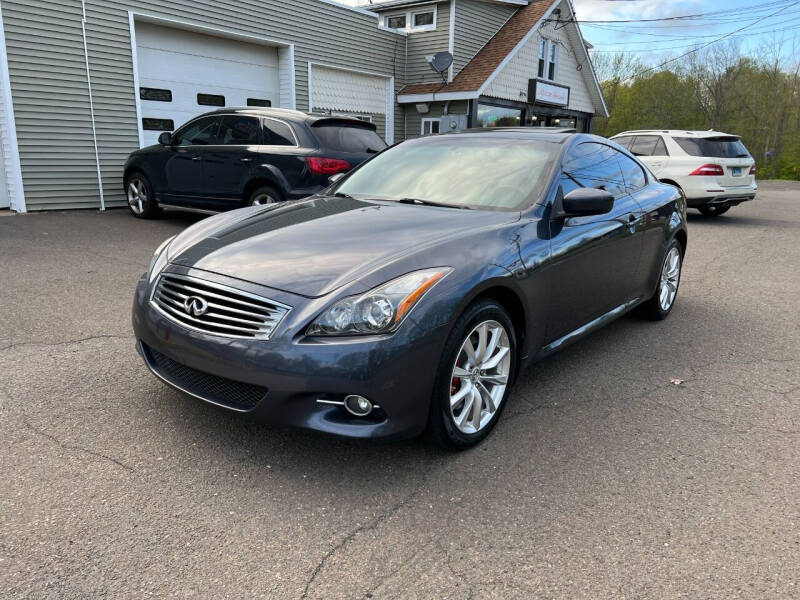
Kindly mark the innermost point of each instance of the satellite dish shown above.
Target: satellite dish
(441, 62)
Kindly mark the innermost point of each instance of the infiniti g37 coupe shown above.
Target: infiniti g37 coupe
(408, 295)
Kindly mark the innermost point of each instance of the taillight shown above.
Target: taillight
(708, 170)
(753, 170)
(327, 166)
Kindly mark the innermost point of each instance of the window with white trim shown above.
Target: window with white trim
(422, 19)
(430, 126)
(548, 59)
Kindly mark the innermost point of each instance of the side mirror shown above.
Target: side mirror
(334, 178)
(587, 201)
(165, 139)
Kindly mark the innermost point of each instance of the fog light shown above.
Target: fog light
(358, 405)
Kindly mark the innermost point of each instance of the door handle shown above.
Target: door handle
(246, 160)
(196, 158)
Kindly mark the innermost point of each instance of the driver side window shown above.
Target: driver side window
(201, 132)
(593, 165)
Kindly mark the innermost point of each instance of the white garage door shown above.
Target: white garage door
(183, 74)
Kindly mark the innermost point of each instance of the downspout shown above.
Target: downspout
(91, 106)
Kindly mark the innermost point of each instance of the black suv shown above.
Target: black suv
(236, 157)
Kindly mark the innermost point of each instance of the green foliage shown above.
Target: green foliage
(756, 100)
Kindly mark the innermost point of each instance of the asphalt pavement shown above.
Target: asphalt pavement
(651, 460)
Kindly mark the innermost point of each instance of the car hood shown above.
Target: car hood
(314, 246)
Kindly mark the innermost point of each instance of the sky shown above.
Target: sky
(760, 21)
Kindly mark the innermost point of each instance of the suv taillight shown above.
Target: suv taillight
(327, 166)
(753, 169)
(708, 170)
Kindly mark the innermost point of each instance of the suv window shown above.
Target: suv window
(624, 141)
(593, 165)
(277, 133)
(635, 179)
(201, 132)
(716, 147)
(239, 130)
(644, 145)
(349, 138)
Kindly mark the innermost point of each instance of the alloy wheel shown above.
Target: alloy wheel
(670, 277)
(262, 199)
(137, 195)
(480, 377)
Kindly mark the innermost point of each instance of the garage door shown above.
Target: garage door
(342, 91)
(183, 74)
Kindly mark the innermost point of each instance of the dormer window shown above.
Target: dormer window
(422, 19)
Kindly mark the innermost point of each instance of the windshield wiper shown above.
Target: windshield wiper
(371, 151)
(430, 203)
(343, 195)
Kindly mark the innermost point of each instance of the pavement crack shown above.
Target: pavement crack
(76, 448)
(347, 539)
(65, 342)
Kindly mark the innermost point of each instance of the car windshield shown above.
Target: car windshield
(349, 138)
(716, 147)
(481, 171)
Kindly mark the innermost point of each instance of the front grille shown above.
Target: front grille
(233, 394)
(228, 312)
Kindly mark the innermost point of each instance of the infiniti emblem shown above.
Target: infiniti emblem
(195, 305)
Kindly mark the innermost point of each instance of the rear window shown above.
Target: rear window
(717, 147)
(349, 138)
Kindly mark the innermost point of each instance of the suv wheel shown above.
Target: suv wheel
(265, 194)
(474, 377)
(140, 197)
(713, 211)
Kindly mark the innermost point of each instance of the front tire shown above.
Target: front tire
(662, 302)
(474, 376)
(713, 211)
(139, 194)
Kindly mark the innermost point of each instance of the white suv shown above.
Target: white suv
(714, 169)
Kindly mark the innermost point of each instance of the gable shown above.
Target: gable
(511, 83)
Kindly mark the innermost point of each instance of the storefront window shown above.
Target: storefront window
(498, 116)
(564, 122)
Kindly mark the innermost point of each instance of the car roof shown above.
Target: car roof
(708, 133)
(294, 116)
(533, 133)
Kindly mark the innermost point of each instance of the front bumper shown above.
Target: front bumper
(396, 372)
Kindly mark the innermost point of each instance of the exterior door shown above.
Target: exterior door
(652, 151)
(183, 169)
(595, 257)
(229, 162)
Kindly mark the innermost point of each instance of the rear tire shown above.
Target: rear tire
(713, 211)
(139, 194)
(660, 305)
(473, 384)
(264, 195)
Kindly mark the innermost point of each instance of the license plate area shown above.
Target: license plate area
(736, 171)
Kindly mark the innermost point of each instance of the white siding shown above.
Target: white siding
(340, 90)
(10, 180)
(512, 82)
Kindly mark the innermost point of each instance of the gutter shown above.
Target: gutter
(91, 106)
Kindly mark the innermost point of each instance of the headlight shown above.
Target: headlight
(381, 310)
(159, 260)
